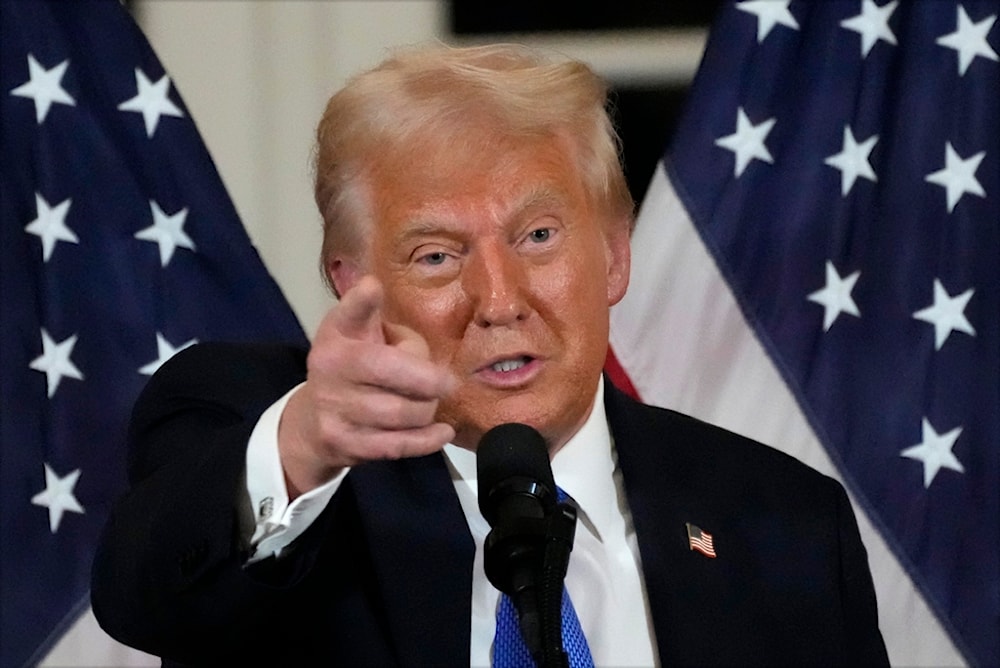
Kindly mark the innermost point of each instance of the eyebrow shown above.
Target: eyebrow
(540, 197)
(426, 223)
(422, 227)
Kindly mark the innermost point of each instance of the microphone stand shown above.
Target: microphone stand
(526, 554)
(527, 560)
(560, 530)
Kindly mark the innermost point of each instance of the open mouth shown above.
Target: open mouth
(506, 366)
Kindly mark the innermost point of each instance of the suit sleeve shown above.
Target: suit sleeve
(864, 641)
(168, 576)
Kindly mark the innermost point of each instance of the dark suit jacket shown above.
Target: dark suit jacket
(383, 577)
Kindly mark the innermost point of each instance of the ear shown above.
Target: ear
(344, 273)
(619, 259)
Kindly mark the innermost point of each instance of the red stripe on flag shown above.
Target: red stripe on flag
(618, 376)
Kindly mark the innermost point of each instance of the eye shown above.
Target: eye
(541, 238)
(540, 235)
(434, 258)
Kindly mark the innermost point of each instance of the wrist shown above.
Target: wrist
(302, 462)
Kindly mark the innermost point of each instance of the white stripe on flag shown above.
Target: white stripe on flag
(681, 338)
(86, 644)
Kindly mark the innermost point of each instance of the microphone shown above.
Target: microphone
(527, 551)
(516, 493)
(512, 463)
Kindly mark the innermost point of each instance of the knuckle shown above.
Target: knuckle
(398, 412)
(384, 448)
(414, 344)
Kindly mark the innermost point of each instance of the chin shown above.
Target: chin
(479, 411)
(469, 429)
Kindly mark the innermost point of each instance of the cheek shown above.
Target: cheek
(580, 286)
(439, 316)
(573, 301)
(586, 311)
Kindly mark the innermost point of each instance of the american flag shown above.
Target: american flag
(700, 540)
(120, 247)
(820, 248)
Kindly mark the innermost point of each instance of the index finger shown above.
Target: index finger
(359, 313)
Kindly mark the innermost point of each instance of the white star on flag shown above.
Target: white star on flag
(864, 184)
(852, 161)
(93, 150)
(50, 225)
(164, 352)
(969, 40)
(958, 176)
(748, 141)
(151, 101)
(58, 496)
(935, 452)
(769, 13)
(55, 361)
(167, 231)
(947, 314)
(836, 296)
(872, 24)
(44, 87)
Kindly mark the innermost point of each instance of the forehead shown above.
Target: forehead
(487, 175)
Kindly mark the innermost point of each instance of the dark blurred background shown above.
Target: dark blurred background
(645, 112)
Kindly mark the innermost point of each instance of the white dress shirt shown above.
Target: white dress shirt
(604, 578)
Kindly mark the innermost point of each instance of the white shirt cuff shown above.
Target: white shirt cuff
(278, 522)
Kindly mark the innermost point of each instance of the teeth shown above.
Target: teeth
(509, 365)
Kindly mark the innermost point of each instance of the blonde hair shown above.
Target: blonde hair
(431, 92)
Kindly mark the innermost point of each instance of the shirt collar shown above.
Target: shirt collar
(583, 467)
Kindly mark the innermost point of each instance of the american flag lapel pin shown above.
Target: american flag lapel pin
(700, 540)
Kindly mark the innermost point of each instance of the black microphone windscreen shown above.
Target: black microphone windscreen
(508, 452)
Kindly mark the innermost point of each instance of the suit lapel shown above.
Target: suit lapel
(664, 484)
(422, 554)
(652, 501)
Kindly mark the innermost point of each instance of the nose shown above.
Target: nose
(494, 281)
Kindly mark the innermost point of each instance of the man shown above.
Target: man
(294, 509)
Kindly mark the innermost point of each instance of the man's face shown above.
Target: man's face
(500, 261)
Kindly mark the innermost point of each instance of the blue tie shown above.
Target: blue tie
(509, 650)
